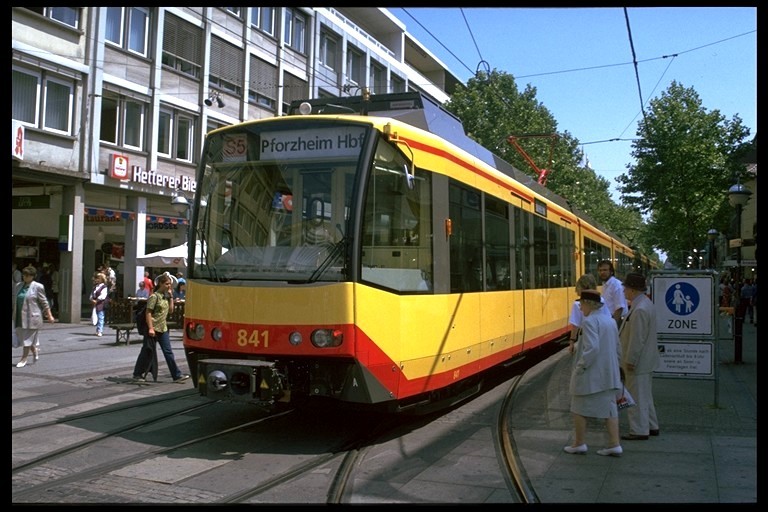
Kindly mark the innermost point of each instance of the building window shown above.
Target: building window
(67, 15)
(39, 95)
(58, 106)
(328, 50)
(184, 138)
(294, 88)
(122, 121)
(355, 67)
(164, 130)
(128, 27)
(398, 84)
(134, 124)
(182, 46)
(235, 11)
(263, 18)
(26, 96)
(378, 82)
(294, 29)
(262, 86)
(175, 135)
(214, 125)
(226, 70)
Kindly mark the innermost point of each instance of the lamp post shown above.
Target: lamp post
(738, 195)
(181, 206)
(711, 258)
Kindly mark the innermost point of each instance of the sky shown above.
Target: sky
(581, 62)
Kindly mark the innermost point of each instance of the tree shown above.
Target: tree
(686, 161)
(492, 108)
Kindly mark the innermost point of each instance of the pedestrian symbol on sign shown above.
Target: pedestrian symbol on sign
(682, 298)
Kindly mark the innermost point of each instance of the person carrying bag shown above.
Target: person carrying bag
(159, 307)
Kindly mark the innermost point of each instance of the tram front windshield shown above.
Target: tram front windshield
(274, 200)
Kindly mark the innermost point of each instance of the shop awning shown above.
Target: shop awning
(124, 215)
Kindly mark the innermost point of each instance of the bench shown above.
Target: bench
(119, 316)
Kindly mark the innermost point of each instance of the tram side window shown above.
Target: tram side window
(397, 226)
(466, 243)
(497, 244)
(555, 258)
(540, 252)
(569, 261)
(624, 265)
(594, 252)
(522, 248)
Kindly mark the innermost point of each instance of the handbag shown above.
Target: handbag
(94, 316)
(624, 400)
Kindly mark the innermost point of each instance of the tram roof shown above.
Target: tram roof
(421, 111)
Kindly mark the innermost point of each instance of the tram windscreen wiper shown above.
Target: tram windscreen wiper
(338, 249)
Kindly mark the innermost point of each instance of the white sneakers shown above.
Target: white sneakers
(616, 451)
(576, 450)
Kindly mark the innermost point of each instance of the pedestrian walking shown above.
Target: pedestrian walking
(595, 376)
(747, 295)
(639, 348)
(30, 309)
(159, 307)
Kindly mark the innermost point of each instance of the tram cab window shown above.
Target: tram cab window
(397, 226)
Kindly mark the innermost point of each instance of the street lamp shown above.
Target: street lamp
(181, 206)
(711, 258)
(738, 195)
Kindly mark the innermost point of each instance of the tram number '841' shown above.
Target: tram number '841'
(255, 338)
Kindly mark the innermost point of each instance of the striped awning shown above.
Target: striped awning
(123, 215)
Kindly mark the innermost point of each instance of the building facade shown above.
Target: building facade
(111, 106)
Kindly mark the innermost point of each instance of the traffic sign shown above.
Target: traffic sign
(684, 305)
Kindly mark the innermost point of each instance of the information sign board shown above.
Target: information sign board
(686, 358)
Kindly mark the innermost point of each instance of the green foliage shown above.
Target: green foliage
(492, 108)
(686, 161)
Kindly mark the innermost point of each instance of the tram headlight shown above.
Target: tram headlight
(216, 334)
(295, 338)
(195, 331)
(324, 338)
(305, 108)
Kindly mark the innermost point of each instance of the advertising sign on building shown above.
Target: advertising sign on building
(119, 169)
(17, 142)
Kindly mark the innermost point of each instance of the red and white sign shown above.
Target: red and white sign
(17, 142)
(119, 169)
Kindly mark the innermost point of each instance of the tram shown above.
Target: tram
(366, 251)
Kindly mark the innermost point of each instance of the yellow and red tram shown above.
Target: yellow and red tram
(365, 250)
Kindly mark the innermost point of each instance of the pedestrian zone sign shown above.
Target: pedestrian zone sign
(684, 305)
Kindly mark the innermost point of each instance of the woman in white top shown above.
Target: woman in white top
(585, 282)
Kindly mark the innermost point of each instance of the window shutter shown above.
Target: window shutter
(263, 78)
(226, 61)
(182, 39)
(294, 88)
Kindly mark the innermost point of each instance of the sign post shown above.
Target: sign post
(687, 323)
